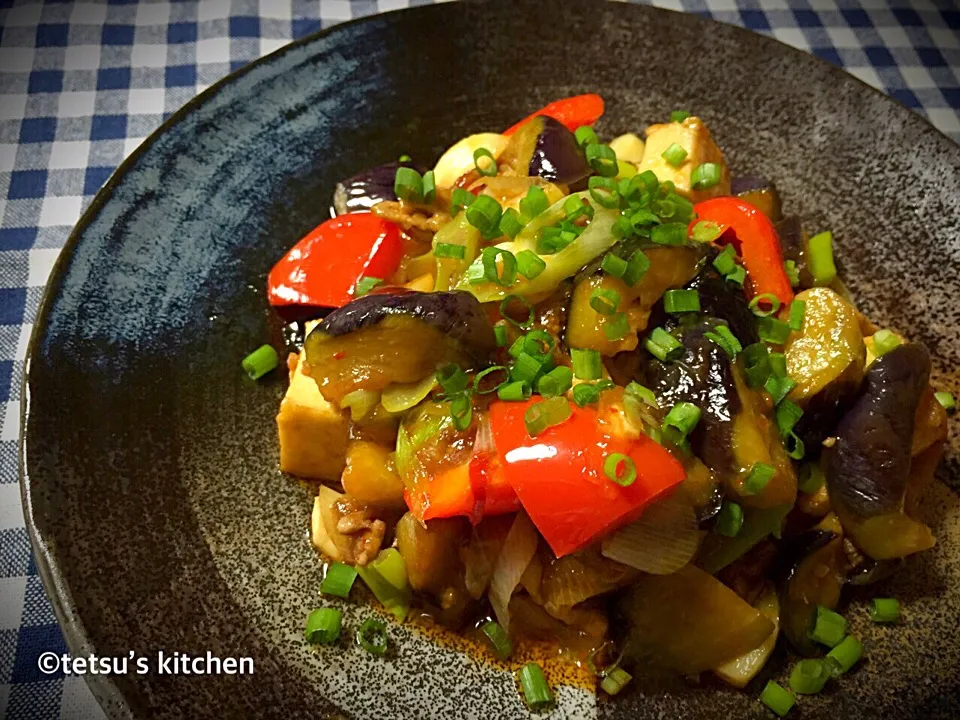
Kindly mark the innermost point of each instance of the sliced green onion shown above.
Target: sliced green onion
(605, 384)
(586, 394)
(794, 446)
(449, 250)
(534, 202)
(616, 327)
(798, 309)
(511, 223)
(756, 364)
(772, 330)
(429, 187)
(777, 698)
(575, 206)
(513, 391)
(830, 627)
(885, 610)
(662, 345)
(706, 231)
(614, 265)
(727, 341)
(585, 135)
(538, 343)
(526, 369)
(729, 519)
(604, 301)
(615, 680)
(845, 655)
(556, 382)
(778, 364)
(946, 400)
(637, 267)
(678, 116)
(809, 676)
(737, 276)
(586, 364)
(642, 393)
(622, 228)
(485, 162)
(726, 261)
(793, 274)
(554, 239)
(602, 159)
(771, 301)
(536, 691)
(338, 580)
(452, 379)
(529, 264)
(502, 647)
(705, 176)
(788, 413)
(260, 362)
(506, 274)
(680, 421)
(820, 258)
(461, 199)
(546, 414)
(505, 307)
(674, 234)
(365, 285)
(478, 380)
(408, 185)
(779, 388)
(620, 469)
(484, 214)
(500, 333)
(405, 158)
(884, 341)
(810, 478)
(323, 626)
(681, 301)
(675, 155)
(461, 410)
(372, 636)
(516, 349)
(757, 478)
(604, 191)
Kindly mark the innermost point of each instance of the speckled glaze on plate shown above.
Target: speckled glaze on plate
(150, 479)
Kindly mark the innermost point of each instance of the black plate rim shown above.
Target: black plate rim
(104, 689)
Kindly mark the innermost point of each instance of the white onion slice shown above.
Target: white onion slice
(661, 541)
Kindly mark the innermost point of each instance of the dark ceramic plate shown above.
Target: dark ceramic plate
(156, 510)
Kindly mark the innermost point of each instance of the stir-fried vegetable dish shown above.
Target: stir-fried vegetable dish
(604, 394)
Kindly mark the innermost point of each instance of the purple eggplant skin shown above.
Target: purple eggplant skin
(365, 189)
(458, 314)
(868, 467)
(759, 192)
(556, 155)
(703, 375)
(718, 299)
(793, 244)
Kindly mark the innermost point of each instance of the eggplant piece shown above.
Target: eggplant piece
(793, 244)
(825, 358)
(380, 339)
(365, 189)
(720, 300)
(703, 375)
(808, 572)
(868, 468)
(545, 148)
(759, 192)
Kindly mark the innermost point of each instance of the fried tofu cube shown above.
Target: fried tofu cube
(313, 432)
(692, 135)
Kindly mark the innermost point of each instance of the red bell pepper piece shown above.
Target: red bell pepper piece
(755, 239)
(560, 480)
(475, 488)
(325, 266)
(572, 112)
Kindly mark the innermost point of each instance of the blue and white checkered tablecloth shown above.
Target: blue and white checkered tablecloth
(83, 83)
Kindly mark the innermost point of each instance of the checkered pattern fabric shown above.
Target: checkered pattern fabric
(82, 84)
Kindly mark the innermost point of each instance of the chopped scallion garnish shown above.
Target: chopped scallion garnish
(460, 199)
(534, 202)
(585, 135)
(585, 394)
(729, 519)
(620, 469)
(681, 301)
(765, 304)
(707, 231)
(662, 345)
(260, 362)
(772, 330)
(793, 274)
(452, 379)
(809, 676)
(536, 691)
(616, 327)
(722, 336)
(506, 306)
(680, 421)
(830, 627)
(408, 185)
(450, 250)
(756, 364)
(820, 258)
(726, 261)
(614, 265)
(513, 391)
(372, 636)
(478, 385)
(502, 647)
(757, 478)
(675, 155)
(602, 159)
(604, 301)
(946, 400)
(779, 388)
(845, 655)
(506, 274)
(798, 309)
(777, 698)
(884, 341)
(461, 411)
(323, 626)
(673, 233)
(511, 223)
(529, 264)
(615, 680)
(556, 382)
(885, 610)
(637, 267)
(586, 363)
(500, 333)
(705, 176)
(810, 478)
(546, 414)
(485, 162)
(678, 116)
(338, 579)
(365, 285)
(484, 214)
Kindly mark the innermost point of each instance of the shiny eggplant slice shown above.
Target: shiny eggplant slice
(380, 339)
(760, 192)
(868, 468)
(719, 299)
(809, 572)
(364, 190)
(793, 244)
(545, 148)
